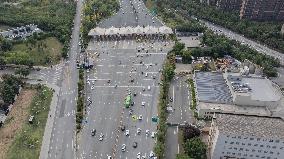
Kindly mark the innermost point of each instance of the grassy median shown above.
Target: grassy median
(27, 143)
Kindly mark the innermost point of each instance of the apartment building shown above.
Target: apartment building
(246, 137)
(252, 9)
(262, 9)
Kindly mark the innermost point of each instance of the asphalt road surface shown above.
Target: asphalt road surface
(62, 144)
(252, 44)
(131, 13)
(181, 113)
(119, 62)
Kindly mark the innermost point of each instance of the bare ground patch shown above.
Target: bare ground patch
(16, 119)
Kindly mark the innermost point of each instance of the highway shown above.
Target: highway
(123, 67)
(131, 13)
(118, 62)
(62, 142)
(252, 44)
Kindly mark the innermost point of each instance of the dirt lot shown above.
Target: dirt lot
(16, 118)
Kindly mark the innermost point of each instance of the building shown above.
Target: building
(262, 9)
(229, 5)
(251, 90)
(246, 137)
(236, 93)
(252, 9)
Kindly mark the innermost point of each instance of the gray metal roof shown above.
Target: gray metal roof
(250, 125)
(211, 87)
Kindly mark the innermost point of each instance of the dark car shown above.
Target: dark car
(134, 144)
(122, 128)
(93, 133)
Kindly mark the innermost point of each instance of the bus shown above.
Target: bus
(127, 101)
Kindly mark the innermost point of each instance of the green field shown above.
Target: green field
(43, 52)
(27, 143)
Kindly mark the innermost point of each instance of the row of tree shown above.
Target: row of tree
(167, 75)
(80, 101)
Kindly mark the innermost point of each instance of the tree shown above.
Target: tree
(182, 156)
(23, 72)
(177, 48)
(195, 148)
(6, 45)
(190, 132)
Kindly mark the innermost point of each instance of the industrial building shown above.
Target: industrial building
(246, 92)
(243, 137)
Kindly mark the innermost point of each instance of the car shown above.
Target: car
(108, 157)
(146, 74)
(138, 131)
(92, 87)
(143, 89)
(147, 132)
(171, 99)
(151, 154)
(138, 155)
(134, 94)
(127, 133)
(132, 80)
(134, 144)
(153, 134)
(123, 148)
(122, 127)
(143, 157)
(140, 117)
(149, 88)
(130, 112)
(154, 77)
(93, 132)
(143, 103)
(132, 104)
(108, 81)
(101, 138)
(115, 86)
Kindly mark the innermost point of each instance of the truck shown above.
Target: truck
(128, 101)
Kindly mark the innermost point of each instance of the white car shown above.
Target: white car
(138, 131)
(143, 103)
(147, 132)
(140, 117)
(92, 87)
(127, 133)
(138, 155)
(149, 88)
(153, 134)
(146, 74)
(123, 148)
(101, 138)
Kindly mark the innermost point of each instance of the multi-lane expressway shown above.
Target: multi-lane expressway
(119, 62)
(131, 13)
